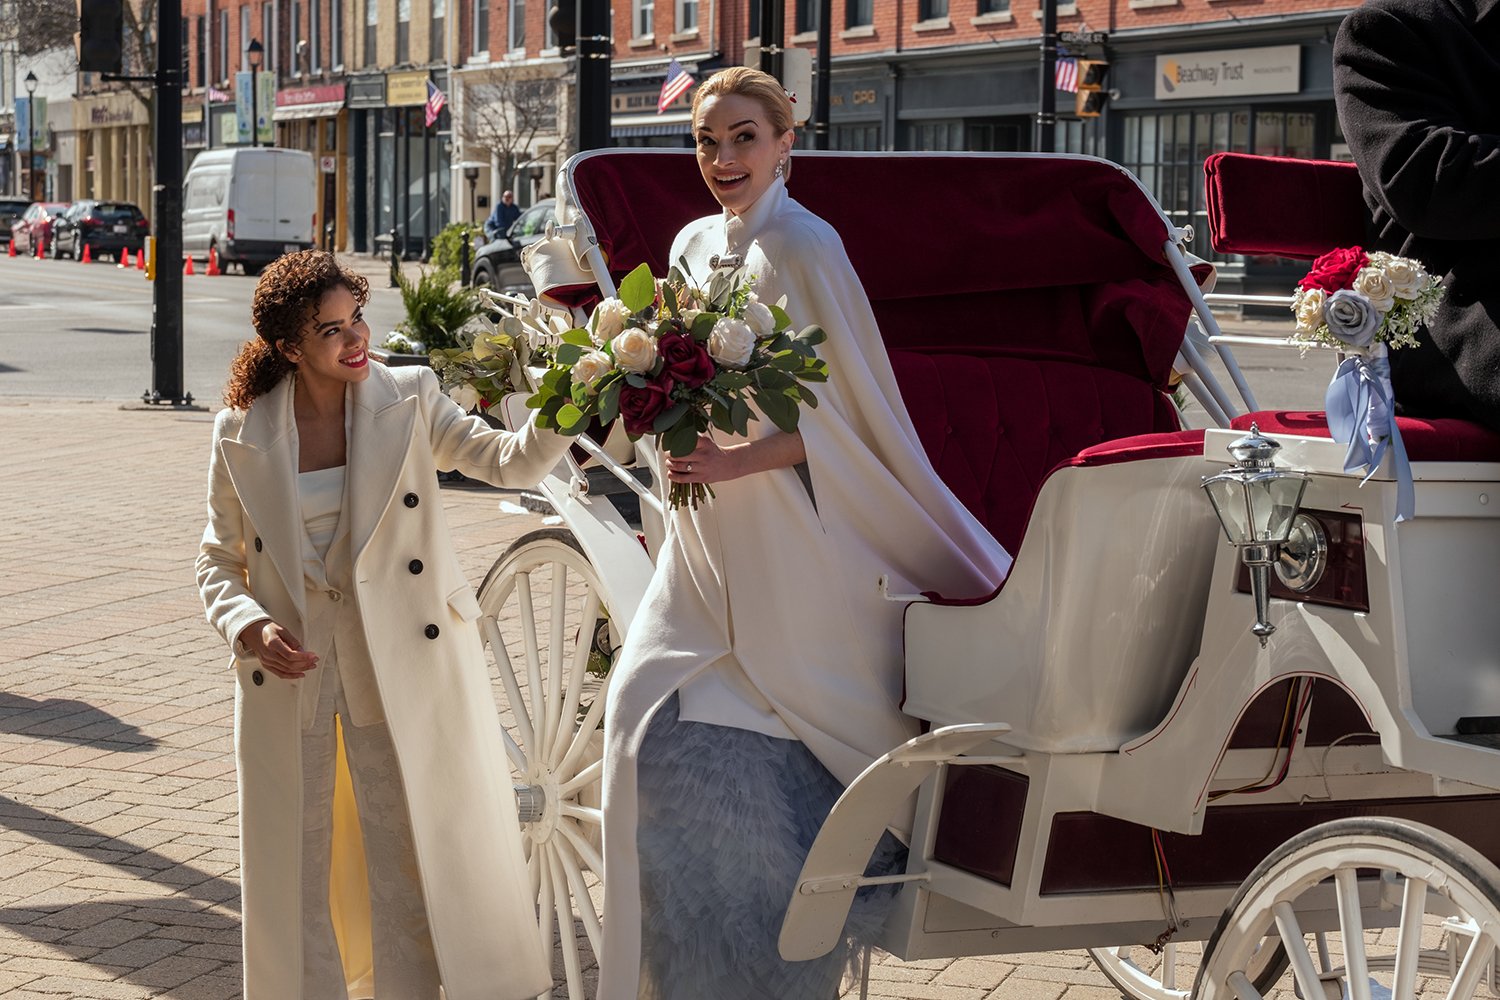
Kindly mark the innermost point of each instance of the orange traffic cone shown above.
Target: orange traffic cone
(140, 260)
(88, 254)
(187, 265)
(11, 246)
(213, 263)
(124, 260)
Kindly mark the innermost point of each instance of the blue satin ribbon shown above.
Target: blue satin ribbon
(1359, 404)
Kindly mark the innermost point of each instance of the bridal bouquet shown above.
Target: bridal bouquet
(673, 359)
(1353, 300)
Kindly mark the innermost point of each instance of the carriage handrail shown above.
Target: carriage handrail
(1177, 257)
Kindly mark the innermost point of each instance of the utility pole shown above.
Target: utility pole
(1044, 136)
(166, 300)
(773, 35)
(593, 45)
(822, 128)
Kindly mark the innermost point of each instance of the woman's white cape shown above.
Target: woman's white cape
(776, 599)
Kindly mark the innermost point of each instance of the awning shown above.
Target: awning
(678, 123)
(290, 112)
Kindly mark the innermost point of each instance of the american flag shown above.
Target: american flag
(435, 101)
(677, 83)
(1067, 74)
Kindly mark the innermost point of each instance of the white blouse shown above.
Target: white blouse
(322, 496)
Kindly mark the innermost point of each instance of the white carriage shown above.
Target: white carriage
(1147, 738)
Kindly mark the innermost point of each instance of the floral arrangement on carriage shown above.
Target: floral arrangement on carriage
(670, 358)
(1366, 304)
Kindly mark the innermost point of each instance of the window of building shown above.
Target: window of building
(1166, 151)
(687, 15)
(244, 35)
(481, 27)
(372, 39)
(858, 13)
(754, 19)
(643, 19)
(931, 10)
(315, 36)
(934, 136)
(992, 7)
(403, 31)
(201, 77)
(438, 34)
(517, 26)
(221, 57)
(856, 137)
(298, 62)
(806, 19)
(268, 36)
(336, 34)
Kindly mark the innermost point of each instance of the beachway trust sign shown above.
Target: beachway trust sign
(1274, 69)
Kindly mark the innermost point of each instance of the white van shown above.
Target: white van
(251, 204)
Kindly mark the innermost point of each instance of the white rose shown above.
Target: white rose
(609, 319)
(465, 395)
(1372, 283)
(1406, 276)
(635, 350)
(731, 341)
(758, 315)
(1308, 305)
(592, 367)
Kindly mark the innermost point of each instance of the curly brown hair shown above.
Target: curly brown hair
(284, 307)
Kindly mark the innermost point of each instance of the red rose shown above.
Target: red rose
(1335, 270)
(641, 406)
(684, 359)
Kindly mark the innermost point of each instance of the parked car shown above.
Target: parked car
(34, 228)
(11, 210)
(497, 265)
(102, 226)
(249, 205)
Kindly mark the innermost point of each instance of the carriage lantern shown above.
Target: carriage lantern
(1257, 504)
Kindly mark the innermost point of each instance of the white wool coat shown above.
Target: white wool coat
(761, 586)
(425, 672)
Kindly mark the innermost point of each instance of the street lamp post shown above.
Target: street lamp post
(31, 82)
(253, 54)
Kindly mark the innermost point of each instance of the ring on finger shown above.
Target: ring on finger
(689, 467)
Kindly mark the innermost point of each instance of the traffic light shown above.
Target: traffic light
(101, 29)
(1091, 93)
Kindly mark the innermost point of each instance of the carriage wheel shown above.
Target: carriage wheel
(1434, 900)
(1140, 974)
(549, 637)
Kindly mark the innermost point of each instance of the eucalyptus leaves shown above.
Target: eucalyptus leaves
(673, 359)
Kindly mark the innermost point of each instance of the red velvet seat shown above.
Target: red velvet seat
(1026, 304)
(1427, 439)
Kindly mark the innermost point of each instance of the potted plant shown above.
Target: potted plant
(437, 312)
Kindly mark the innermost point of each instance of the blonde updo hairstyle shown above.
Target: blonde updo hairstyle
(763, 88)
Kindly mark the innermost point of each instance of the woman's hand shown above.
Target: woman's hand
(277, 649)
(710, 463)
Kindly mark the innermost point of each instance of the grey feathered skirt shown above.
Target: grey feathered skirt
(727, 817)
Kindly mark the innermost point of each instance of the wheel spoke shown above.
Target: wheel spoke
(1243, 988)
(1481, 952)
(1409, 940)
(533, 659)
(581, 898)
(1296, 949)
(1169, 965)
(1352, 930)
(586, 729)
(577, 674)
(555, 642)
(491, 630)
(586, 814)
(584, 849)
(544, 907)
(582, 779)
(567, 934)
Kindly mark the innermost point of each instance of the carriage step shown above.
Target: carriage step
(1474, 725)
(1490, 741)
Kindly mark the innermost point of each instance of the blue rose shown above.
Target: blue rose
(1351, 317)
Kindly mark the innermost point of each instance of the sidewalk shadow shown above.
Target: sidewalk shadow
(70, 722)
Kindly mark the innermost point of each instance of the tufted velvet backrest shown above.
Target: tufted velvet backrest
(1025, 300)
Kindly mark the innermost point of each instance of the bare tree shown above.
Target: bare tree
(505, 115)
(34, 26)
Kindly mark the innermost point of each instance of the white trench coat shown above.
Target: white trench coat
(426, 664)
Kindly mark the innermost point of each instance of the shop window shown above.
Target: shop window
(995, 136)
(643, 18)
(859, 138)
(859, 13)
(517, 25)
(754, 19)
(806, 20)
(1166, 151)
(932, 10)
(937, 136)
(687, 15)
(481, 27)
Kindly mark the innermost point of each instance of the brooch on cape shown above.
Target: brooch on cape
(729, 260)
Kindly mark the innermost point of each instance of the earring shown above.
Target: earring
(781, 169)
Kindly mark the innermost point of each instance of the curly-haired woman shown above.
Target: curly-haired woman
(328, 568)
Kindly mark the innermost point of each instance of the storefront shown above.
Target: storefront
(402, 181)
(313, 119)
(113, 152)
(634, 90)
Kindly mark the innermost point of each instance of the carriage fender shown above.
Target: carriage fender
(835, 866)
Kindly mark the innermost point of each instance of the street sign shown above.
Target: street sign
(1083, 37)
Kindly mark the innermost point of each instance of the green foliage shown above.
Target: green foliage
(436, 310)
(447, 247)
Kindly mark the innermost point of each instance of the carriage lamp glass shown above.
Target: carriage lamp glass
(1257, 507)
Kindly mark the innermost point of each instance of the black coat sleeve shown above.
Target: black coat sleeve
(1405, 123)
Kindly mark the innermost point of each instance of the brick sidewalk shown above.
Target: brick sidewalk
(118, 856)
